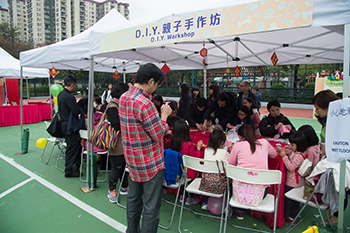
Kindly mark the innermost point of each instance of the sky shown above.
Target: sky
(140, 9)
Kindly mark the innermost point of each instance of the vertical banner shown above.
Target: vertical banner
(12, 90)
(337, 130)
(2, 95)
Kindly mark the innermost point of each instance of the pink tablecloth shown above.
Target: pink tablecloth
(32, 113)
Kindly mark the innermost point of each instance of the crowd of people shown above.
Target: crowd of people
(144, 119)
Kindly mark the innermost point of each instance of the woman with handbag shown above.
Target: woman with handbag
(250, 152)
(116, 156)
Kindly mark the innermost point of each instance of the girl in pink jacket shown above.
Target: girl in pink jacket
(298, 144)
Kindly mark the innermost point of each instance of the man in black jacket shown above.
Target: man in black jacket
(224, 108)
(244, 88)
(196, 112)
(267, 126)
(67, 104)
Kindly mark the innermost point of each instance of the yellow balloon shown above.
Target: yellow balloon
(41, 143)
(55, 100)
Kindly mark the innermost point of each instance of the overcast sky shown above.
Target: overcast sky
(145, 8)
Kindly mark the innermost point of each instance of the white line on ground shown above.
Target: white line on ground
(89, 209)
(15, 187)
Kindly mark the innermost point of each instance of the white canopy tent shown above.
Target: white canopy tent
(10, 68)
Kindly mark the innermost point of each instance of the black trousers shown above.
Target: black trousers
(118, 167)
(290, 205)
(73, 150)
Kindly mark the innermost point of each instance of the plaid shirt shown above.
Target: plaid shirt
(143, 133)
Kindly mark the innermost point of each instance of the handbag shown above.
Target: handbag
(214, 182)
(54, 128)
(247, 194)
(306, 167)
(104, 136)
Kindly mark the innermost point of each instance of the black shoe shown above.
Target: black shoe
(69, 175)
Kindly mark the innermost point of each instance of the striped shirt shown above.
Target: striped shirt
(143, 132)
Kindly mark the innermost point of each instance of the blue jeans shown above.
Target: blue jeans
(146, 195)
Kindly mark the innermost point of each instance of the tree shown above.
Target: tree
(8, 32)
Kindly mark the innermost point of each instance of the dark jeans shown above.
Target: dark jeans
(118, 167)
(73, 150)
(146, 196)
(290, 205)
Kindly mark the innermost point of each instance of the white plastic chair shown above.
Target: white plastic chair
(208, 166)
(59, 142)
(83, 135)
(297, 194)
(254, 176)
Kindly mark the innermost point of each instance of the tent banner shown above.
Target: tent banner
(337, 130)
(252, 17)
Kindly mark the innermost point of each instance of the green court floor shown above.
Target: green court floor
(35, 197)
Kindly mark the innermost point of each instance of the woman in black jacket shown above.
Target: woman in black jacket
(185, 100)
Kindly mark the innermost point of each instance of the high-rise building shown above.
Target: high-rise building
(48, 21)
(4, 15)
(18, 17)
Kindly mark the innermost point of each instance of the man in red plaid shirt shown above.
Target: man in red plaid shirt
(142, 132)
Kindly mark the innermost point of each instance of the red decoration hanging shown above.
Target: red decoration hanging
(53, 72)
(237, 71)
(274, 59)
(165, 68)
(116, 75)
(227, 72)
(204, 53)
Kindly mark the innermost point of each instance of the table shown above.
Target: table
(32, 113)
(275, 164)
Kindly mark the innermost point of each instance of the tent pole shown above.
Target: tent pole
(205, 80)
(91, 161)
(345, 95)
(21, 105)
(27, 89)
(124, 78)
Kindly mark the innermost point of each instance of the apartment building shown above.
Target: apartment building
(48, 21)
(4, 15)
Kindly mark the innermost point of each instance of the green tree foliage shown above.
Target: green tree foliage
(9, 40)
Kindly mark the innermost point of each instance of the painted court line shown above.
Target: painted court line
(94, 212)
(15, 187)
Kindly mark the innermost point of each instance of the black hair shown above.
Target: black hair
(173, 105)
(246, 110)
(69, 80)
(96, 96)
(246, 131)
(279, 119)
(224, 96)
(147, 72)
(256, 88)
(98, 100)
(159, 98)
(250, 100)
(216, 138)
(216, 92)
(310, 135)
(185, 89)
(119, 89)
(273, 103)
(323, 98)
(299, 139)
(201, 102)
(181, 133)
(195, 88)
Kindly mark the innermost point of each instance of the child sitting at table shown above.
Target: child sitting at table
(298, 144)
(243, 118)
(313, 150)
(181, 142)
(215, 151)
(250, 152)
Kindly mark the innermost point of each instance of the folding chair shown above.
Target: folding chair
(126, 170)
(254, 176)
(208, 166)
(83, 135)
(56, 142)
(61, 156)
(296, 194)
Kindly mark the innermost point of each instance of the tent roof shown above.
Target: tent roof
(10, 68)
(322, 42)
